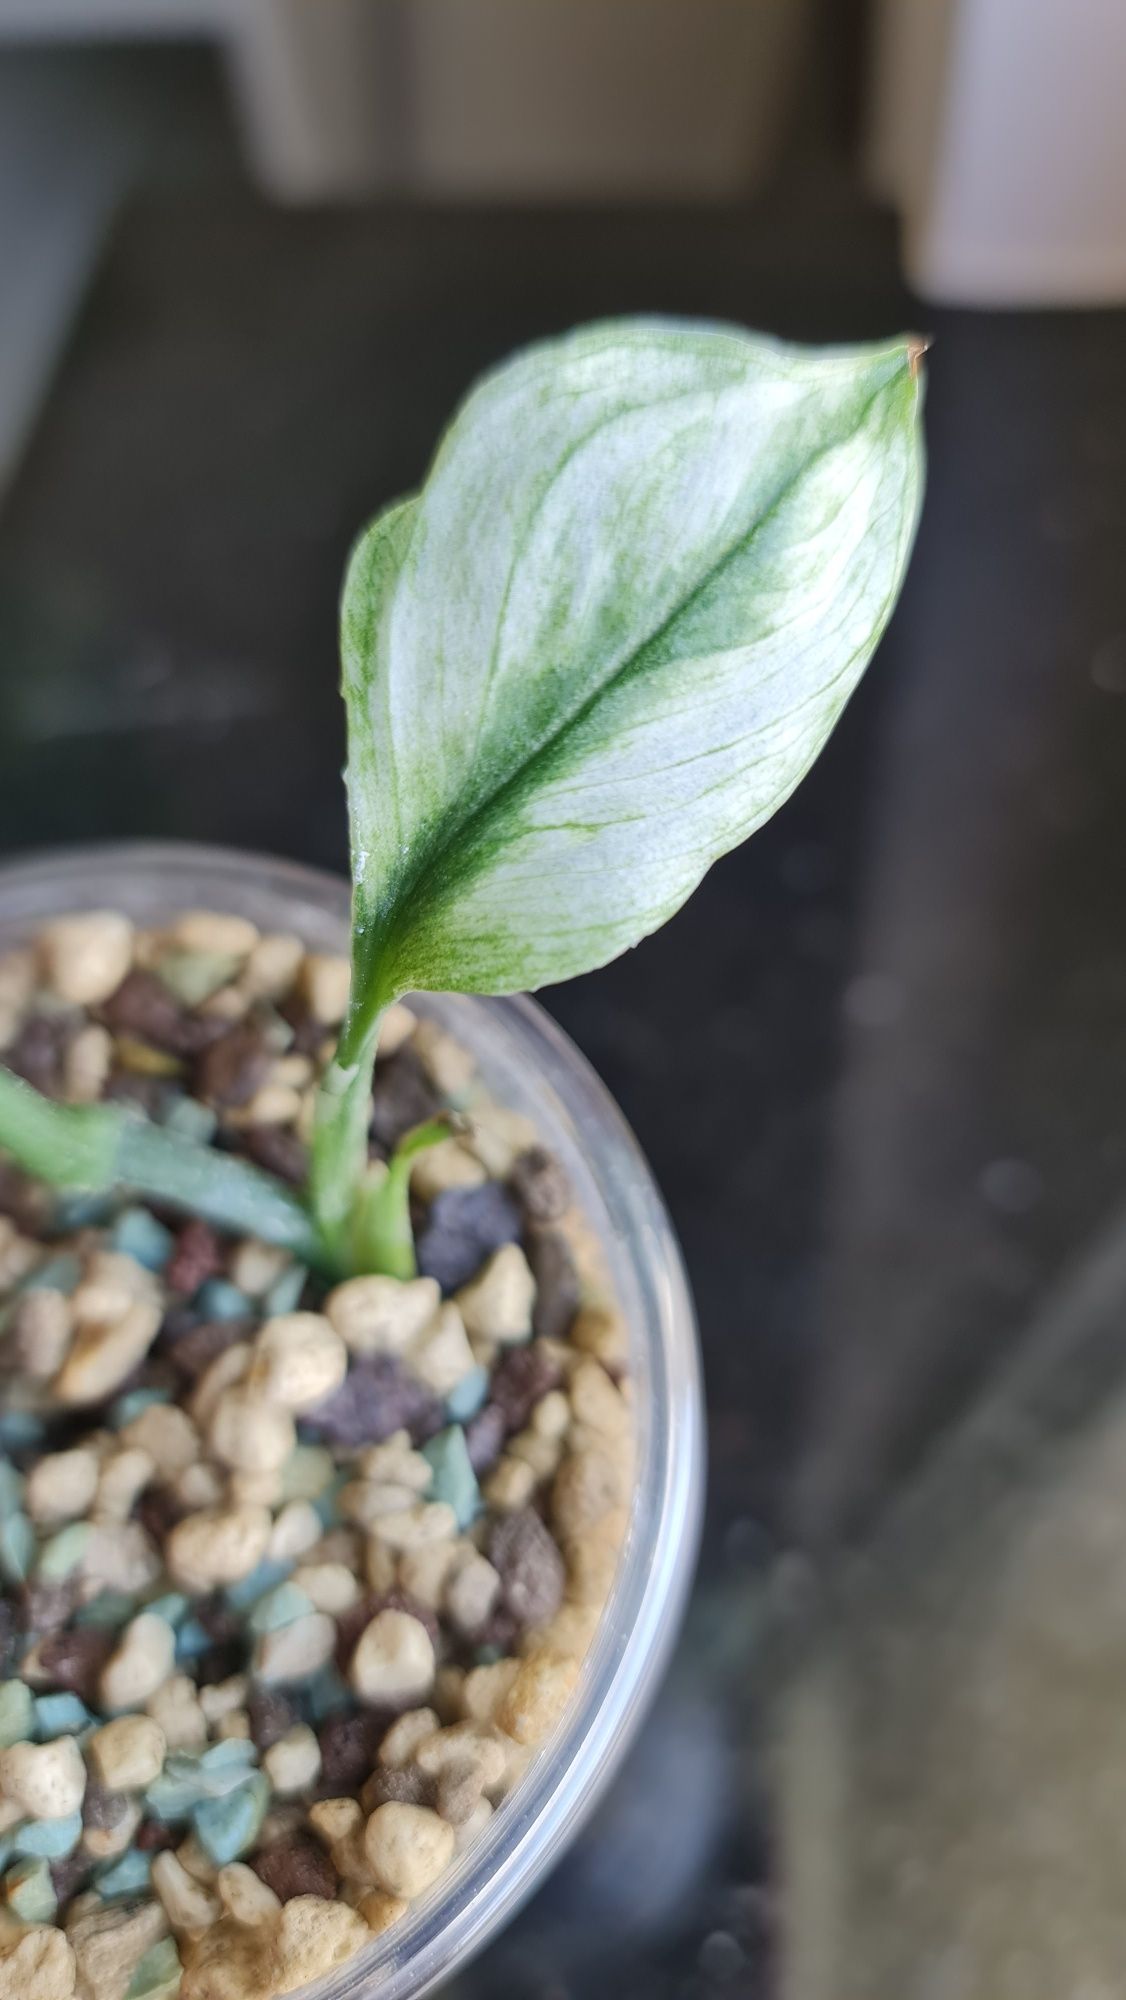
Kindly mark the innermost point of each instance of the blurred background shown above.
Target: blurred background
(251, 251)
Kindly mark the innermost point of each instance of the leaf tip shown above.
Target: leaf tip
(917, 345)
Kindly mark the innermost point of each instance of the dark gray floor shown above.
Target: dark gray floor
(879, 1063)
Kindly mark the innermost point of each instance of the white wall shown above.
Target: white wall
(998, 127)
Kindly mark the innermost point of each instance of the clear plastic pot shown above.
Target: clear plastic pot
(527, 1062)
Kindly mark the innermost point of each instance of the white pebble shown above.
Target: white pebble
(293, 1763)
(124, 1476)
(442, 1357)
(222, 1698)
(428, 1521)
(405, 1735)
(175, 1706)
(367, 1500)
(407, 1848)
(113, 1281)
(47, 1779)
(105, 1352)
(61, 1486)
(471, 1593)
(129, 1753)
(250, 1434)
(216, 1546)
(299, 1359)
(510, 1484)
(87, 1063)
(498, 1136)
(169, 1436)
(396, 1463)
(39, 1329)
(465, 1745)
(255, 1489)
(328, 1586)
(273, 1103)
(425, 1571)
(255, 1266)
(542, 1454)
(551, 1415)
(193, 1856)
(120, 1556)
(230, 1003)
(451, 1066)
(17, 976)
(298, 1529)
(215, 931)
(497, 1304)
(449, 1164)
(272, 966)
(471, 1828)
(297, 1651)
(396, 1027)
(140, 1663)
(86, 958)
(190, 1906)
(325, 981)
(225, 1372)
(382, 1315)
(199, 1486)
(245, 1896)
(18, 1253)
(393, 1664)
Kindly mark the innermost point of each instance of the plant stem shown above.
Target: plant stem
(99, 1146)
(340, 1132)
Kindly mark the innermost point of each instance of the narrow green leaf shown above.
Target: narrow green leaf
(101, 1146)
(647, 569)
(69, 1145)
(219, 1186)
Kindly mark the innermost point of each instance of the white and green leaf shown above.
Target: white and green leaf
(647, 569)
(600, 647)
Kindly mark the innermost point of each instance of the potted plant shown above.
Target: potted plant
(352, 1418)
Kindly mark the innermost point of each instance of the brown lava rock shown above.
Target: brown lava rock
(484, 1436)
(278, 1150)
(557, 1283)
(522, 1378)
(377, 1398)
(539, 1182)
(405, 1787)
(532, 1572)
(198, 1255)
(295, 1868)
(233, 1068)
(73, 1658)
(403, 1096)
(143, 1007)
(272, 1715)
(348, 1744)
(36, 1054)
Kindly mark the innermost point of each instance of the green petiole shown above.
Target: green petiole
(340, 1131)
